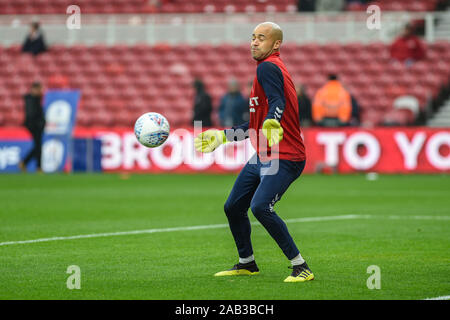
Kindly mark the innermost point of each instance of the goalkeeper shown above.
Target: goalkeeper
(274, 131)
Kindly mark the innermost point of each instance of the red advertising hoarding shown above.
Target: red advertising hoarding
(383, 150)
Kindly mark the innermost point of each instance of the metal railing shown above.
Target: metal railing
(214, 28)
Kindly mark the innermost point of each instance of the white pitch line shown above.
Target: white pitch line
(439, 298)
(217, 226)
(327, 218)
(211, 226)
(420, 217)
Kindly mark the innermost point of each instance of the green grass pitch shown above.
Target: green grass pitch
(399, 223)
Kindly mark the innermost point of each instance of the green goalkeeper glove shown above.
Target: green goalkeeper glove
(209, 140)
(273, 131)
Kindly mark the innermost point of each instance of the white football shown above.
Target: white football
(151, 129)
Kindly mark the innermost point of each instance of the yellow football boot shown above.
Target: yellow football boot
(247, 269)
(300, 273)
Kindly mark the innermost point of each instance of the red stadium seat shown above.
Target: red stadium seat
(128, 80)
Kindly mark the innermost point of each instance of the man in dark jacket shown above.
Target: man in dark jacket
(233, 106)
(35, 123)
(34, 42)
(355, 117)
(202, 104)
(304, 106)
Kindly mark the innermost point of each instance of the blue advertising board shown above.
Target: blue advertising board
(60, 107)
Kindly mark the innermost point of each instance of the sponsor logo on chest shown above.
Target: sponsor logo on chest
(253, 102)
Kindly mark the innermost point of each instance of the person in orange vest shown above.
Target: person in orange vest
(332, 104)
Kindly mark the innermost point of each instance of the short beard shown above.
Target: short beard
(267, 55)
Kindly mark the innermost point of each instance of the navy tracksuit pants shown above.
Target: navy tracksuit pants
(259, 186)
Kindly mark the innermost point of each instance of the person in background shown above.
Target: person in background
(202, 104)
(35, 123)
(304, 106)
(355, 116)
(408, 48)
(34, 42)
(332, 104)
(232, 106)
(306, 5)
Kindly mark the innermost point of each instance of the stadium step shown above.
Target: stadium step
(442, 117)
(443, 26)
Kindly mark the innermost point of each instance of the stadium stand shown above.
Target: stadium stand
(192, 6)
(395, 5)
(120, 82)
(146, 6)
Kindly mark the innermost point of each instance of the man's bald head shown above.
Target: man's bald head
(275, 30)
(266, 39)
